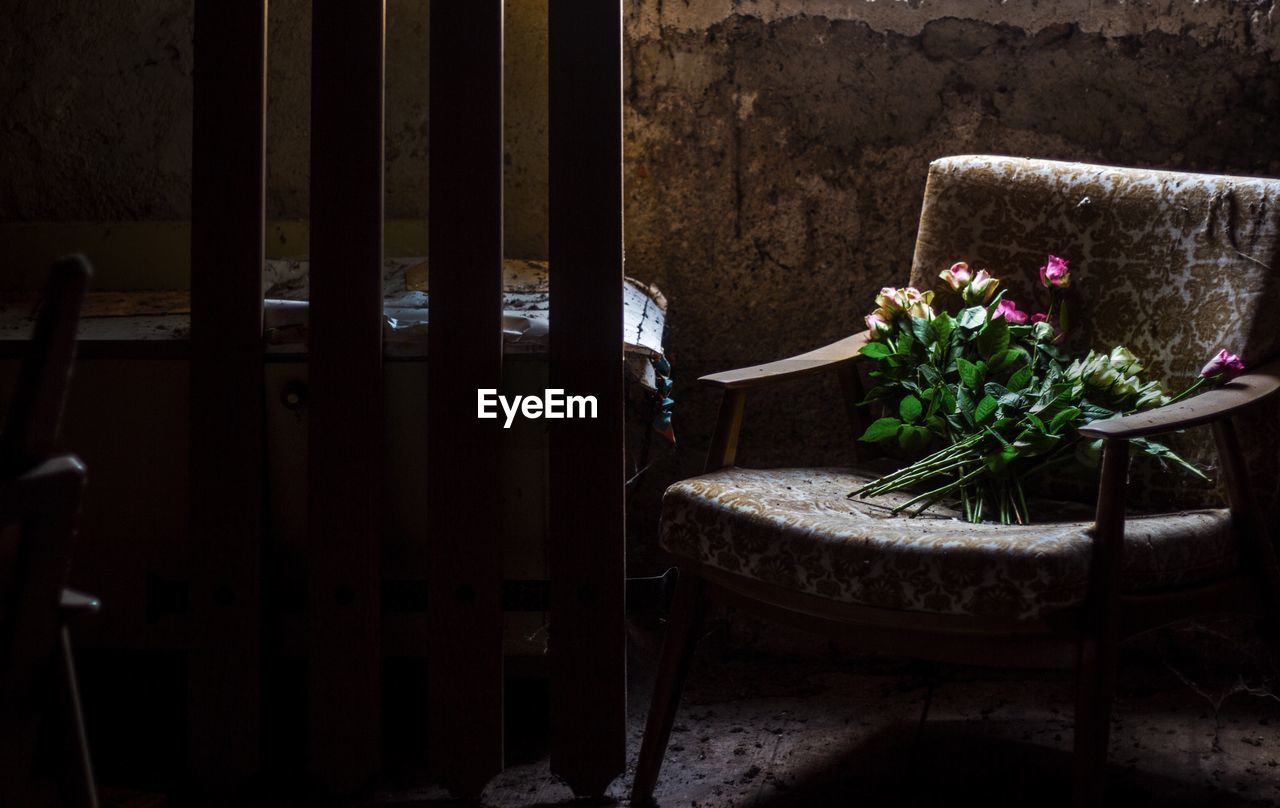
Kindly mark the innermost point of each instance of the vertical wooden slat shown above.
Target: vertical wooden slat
(346, 410)
(588, 659)
(227, 213)
(465, 658)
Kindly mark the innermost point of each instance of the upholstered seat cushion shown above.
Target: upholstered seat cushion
(796, 528)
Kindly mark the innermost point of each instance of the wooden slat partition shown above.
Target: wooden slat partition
(465, 587)
(227, 472)
(586, 518)
(346, 409)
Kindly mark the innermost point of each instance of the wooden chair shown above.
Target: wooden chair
(1174, 266)
(40, 497)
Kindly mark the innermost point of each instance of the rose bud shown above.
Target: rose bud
(1225, 366)
(878, 324)
(981, 289)
(1055, 273)
(958, 276)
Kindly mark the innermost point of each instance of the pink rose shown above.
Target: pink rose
(892, 299)
(918, 302)
(878, 323)
(1055, 273)
(958, 276)
(1224, 366)
(1007, 309)
(1039, 317)
(981, 288)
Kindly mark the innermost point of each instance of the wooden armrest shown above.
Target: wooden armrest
(1212, 405)
(74, 604)
(826, 358)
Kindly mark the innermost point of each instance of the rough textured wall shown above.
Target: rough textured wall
(95, 112)
(777, 152)
(776, 149)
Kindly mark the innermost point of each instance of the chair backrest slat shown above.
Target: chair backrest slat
(35, 413)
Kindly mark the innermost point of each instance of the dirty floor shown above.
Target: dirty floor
(775, 719)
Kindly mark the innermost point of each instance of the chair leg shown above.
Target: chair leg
(683, 627)
(1095, 688)
(1098, 655)
(83, 791)
(1257, 553)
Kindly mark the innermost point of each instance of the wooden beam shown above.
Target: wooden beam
(465, 530)
(586, 509)
(227, 476)
(345, 377)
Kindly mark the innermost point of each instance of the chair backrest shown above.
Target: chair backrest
(35, 412)
(1172, 265)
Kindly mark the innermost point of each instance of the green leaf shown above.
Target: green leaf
(1165, 453)
(995, 390)
(881, 429)
(972, 318)
(1006, 359)
(1020, 378)
(1063, 417)
(1004, 396)
(913, 438)
(923, 331)
(948, 400)
(1094, 412)
(1089, 452)
(930, 374)
(999, 438)
(994, 339)
(875, 350)
(906, 342)
(964, 403)
(985, 410)
(910, 409)
(968, 373)
(943, 325)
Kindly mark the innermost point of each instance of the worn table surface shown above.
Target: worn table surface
(164, 316)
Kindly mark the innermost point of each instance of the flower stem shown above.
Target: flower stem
(1199, 382)
(951, 486)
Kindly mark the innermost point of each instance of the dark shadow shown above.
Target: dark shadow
(950, 764)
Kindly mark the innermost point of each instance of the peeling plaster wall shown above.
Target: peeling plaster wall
(95, 112)
(777, 152)
(776, 149)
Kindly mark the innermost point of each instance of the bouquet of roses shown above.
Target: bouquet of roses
(987, 397)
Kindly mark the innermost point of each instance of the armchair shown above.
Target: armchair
(1172, 265)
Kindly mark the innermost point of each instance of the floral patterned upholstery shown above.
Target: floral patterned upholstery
(1171, 265)
(796, 528)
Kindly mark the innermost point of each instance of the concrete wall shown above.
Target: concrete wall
(95, 112)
